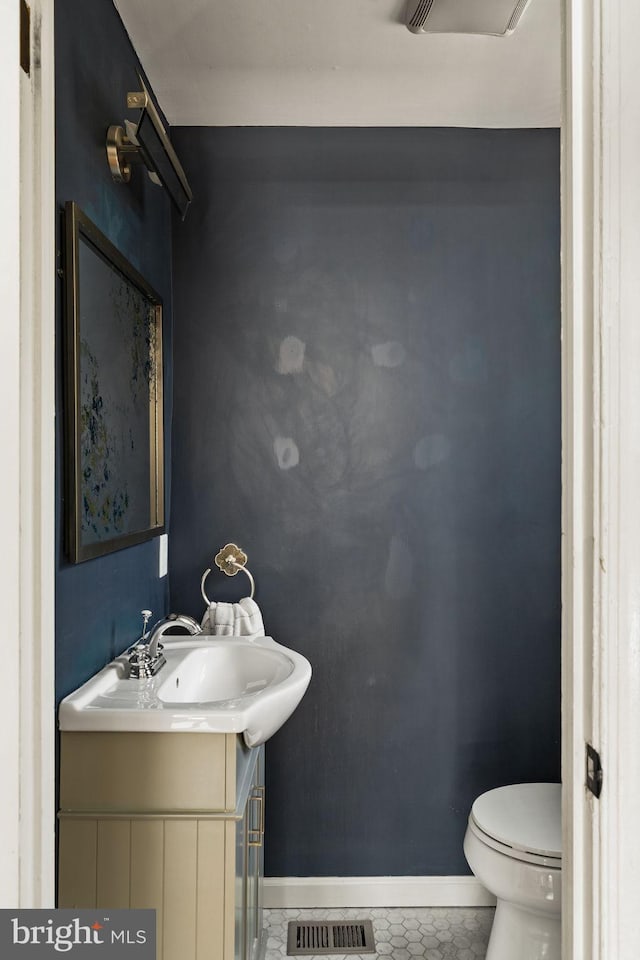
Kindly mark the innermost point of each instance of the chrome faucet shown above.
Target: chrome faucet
(173, 620)
(146, 656)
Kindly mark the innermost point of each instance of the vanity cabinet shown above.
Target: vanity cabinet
(171, 821)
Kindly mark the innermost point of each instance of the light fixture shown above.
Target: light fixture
(493, 17)
(147, 142)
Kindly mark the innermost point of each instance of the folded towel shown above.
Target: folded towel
(242, 619)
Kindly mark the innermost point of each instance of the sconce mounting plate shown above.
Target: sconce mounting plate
(119, 153)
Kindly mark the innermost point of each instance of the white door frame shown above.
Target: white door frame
(616, 686)
(601, 476)
(579, 472)
(10, 475)
(27, 427)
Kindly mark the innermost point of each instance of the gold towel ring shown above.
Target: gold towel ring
(230, 560)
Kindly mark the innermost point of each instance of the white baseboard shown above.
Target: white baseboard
(323, 892)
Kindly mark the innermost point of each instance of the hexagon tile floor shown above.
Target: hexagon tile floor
(422, 933)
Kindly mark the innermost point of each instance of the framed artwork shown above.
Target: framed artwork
(114, 409)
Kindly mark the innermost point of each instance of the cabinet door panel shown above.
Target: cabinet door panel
(147, 870)
(114, 859)
(180, 872)
(211, 893)
(77, 863)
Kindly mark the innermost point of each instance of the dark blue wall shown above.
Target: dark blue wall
(409, 544)
(98, 602)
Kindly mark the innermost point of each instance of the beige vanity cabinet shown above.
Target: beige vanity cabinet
(171, 821)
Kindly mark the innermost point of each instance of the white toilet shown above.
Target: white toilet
(513, 845)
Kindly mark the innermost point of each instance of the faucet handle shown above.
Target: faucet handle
(146, 616)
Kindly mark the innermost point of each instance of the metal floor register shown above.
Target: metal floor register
(323, 937)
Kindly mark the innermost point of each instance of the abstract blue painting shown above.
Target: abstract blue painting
(114, 391)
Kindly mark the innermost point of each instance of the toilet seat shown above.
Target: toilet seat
(521, 821)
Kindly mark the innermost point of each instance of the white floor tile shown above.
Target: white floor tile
(419, 933)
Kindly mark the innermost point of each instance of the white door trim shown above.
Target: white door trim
(616, 694)
(601, 477)
(37, 465)
(10, 474)
(580, 297)
(27, 427)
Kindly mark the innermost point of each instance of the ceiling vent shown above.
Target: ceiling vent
(492, 17)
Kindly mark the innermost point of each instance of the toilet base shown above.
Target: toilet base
(519, 933)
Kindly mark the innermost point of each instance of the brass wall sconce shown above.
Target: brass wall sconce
(147, 142)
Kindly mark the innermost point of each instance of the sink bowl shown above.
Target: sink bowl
(209, 684)
(228, 671)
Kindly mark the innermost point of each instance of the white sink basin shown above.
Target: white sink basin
(225, 671)
(209, 684)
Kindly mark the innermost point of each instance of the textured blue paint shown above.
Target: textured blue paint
(98, 602)
(413, 551)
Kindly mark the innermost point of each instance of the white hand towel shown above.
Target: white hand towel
(218, 619)
(242, 619)
(248, 618)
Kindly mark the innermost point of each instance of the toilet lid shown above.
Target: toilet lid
(525, 816)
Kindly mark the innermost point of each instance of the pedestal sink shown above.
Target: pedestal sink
(209, 684)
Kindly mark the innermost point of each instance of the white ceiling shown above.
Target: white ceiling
(341, 63)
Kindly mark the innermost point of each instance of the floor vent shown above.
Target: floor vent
(322, 937)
